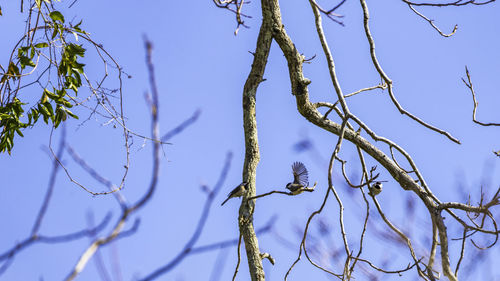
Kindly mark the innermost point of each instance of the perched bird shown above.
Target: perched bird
(375, 189)
(238, 191)
(300, 178)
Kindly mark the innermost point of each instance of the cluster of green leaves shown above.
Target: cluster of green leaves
(70, 68)
(54, 105)
(10, 115)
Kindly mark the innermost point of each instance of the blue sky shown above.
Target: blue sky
(200, 64)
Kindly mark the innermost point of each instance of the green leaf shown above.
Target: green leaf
(75, 49)
(25, 61)
(71, 113)
(77, 26)
(45, 113)
(57, 16)
(19, 132)
(58, 118)
(64, 115)
(54, 33)
(66, 103)
(35, 115)
(12, 70)
(32, 52)
(42, 45)
(49, 94)
(23, 50)
(50, 109)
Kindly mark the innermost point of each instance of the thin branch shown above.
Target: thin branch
(388, 81)
(452, 3)
(399, 271)
(330, 188)
(431, 22)
(330, 13)
(471, 88)
(239, 258)
(117, 230)
(308, 189)
(432, 252)
(9, 254)
(52, 181)
(188, 247)
(98, 261)
(229, 243)
(367, 215)
(402, 236)
(181, 127)
(462, 252)
(380, 86)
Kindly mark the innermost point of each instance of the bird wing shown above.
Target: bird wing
(300, 174)
(238, 189)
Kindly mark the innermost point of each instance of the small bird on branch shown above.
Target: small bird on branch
(238, 191)
(300, 179)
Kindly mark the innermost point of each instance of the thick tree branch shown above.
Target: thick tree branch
(252, 156)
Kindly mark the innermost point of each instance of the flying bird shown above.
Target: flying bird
(300, 178)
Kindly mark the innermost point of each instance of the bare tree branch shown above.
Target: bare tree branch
(431, 22)
(469, 85)
(188, 247)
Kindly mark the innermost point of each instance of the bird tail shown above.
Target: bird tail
(225, 201)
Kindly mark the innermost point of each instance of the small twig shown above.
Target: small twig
(330, 188)
(402, 236)
(239, 258)
(54, 239)
(363, 165)
(308, 189)
(199, 228)
(268, 257)
(431, 22)
(471, 88)
(388, 81)
(380, 86)
(229, 243)
(408, 267)
(98, 261)
(462, 251)
(456, 3)
(181, 127)
(330, 13)
(52, 181)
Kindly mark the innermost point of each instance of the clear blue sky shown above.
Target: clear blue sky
(200, 64)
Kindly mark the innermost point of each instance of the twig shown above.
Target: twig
(380, 86)
(330, 188)
(90, 251)
(52, 181)
(308, 189)
(431, 22)
(402, 236)
(388, 81)
(188, 247)
(410, 266)
(239, 258)
(462, 251)
(229, 243)
(181, 127)
(452, 3)
(471, 88)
